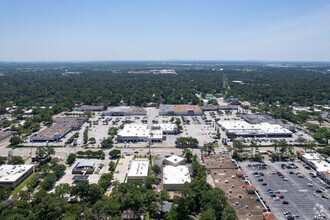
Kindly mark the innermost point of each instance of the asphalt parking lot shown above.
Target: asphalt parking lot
(295, 190)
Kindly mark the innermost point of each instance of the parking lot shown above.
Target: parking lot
(299, 192)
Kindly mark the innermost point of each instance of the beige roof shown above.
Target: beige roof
(185, 108)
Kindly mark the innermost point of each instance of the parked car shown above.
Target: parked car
(285, 202)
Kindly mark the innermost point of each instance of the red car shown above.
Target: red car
(281, 197)
(278, 173)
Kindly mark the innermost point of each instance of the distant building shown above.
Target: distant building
(138, 169)
(125, 110)
(245, 129)
(61, 126)
(13, 175)
(166, 128)
(84, 167)
(180, 110)
(91, 108)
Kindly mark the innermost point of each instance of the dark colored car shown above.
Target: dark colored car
(285, 202)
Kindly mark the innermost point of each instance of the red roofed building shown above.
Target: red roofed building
(250, 189)
(268, 216)
(239, 173)
(325, 176)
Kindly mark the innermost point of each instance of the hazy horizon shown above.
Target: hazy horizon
(87, 31)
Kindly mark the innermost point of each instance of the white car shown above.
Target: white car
(310, 185)
(276, 199)
(315, 194)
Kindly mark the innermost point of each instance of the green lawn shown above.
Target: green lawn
(23, 184)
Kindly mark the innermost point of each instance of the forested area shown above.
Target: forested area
(109, 84)
(286, 85)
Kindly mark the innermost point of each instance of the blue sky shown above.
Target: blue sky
(78, 30)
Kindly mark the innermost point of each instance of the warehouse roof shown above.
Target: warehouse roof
(176, 175)
(10, 173)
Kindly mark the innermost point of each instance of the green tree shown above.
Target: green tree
(187, 154)
(149, 181)
(229, 213)
(107, 143)
(5, 192)
(62, 189)
(208, 215)
(15, 140)
(163, 196)
(156, 170)
(238, 146)
(71, 158)
(15, 160)
(112, 166)
(115, 153)
(44, 152)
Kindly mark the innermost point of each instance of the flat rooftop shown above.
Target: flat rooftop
(138, 168)
(174, 159)
(236, 185)
(243, 127)
(312, 156)
(321, 165)
(165, 127)
(91, 107)
(185, 108)
(176, 174)
(179, 108)
(127, 109)
(51, 131)
(10, 173)
(134, 130)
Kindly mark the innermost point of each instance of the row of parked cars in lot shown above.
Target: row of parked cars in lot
(258, 166)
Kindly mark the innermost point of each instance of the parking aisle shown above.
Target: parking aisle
(295, 190)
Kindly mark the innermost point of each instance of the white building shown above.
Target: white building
(139, 133)
(134, 133)
(166, 128)
(174, 160)
(13, 175)
(138, 169)
(175, 176)
(245, 129)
